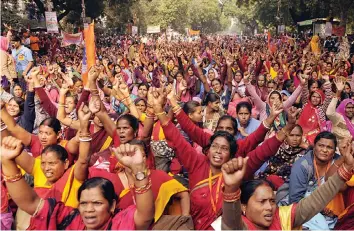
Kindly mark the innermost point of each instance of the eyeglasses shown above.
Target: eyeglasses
(223, 148)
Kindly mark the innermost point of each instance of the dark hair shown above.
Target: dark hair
(218, 80)
(273, 82)
(299, 127)
(230, 139)
(328, 136)
(16, 39)
(21, 104)
(141, 144)
(103, 184)
(52, 123)
(76, 79)
(190, 106)
(246, 105)
(76, 99)
(211, 97)
(133, 122)
(137, 100)
(348, 84)
(61, 152)
(299, 71)
(312, 81)
(228, 117)
(287, 84)
(17, 85)
(249, 187)
(275, 93)
(144, 84)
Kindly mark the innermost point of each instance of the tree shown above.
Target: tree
(162, 12)
(205, 15)
(94, 8)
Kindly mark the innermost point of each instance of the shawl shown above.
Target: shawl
(315, 46)
(262, 91)
(281, 163)
(310, 118)
(341, 110)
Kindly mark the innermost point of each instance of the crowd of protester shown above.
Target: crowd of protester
(219, 132)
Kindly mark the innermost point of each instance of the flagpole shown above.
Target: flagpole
(83, 12)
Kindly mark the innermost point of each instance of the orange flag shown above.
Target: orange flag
(90, 49)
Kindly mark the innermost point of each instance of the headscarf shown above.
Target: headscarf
(262, 91)
(341, 110)
(310, 118)
(4, 43)
(285, 92)
(315, 46)
(280, 121)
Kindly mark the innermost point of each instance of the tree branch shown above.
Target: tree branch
(40, 6)
(62, 15)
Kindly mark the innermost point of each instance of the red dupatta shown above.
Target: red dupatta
(284, 218)
(309, 119)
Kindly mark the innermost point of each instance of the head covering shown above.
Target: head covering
(311, 118)
(285, 92)
(262, 91)
(280, 121)
(4, 43)
(315, 46)
(341, 110)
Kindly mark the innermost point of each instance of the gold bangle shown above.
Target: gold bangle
(336, 165)
(285, 132)
(266, 125)
(160, 113)
(61, 105)
(179, 109)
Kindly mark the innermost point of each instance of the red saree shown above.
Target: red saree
(284, 218)
(163, 187)
(50, 216)
(310, 120)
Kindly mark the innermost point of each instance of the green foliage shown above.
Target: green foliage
(162, 12)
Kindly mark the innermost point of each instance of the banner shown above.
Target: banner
(193, 32)
(153, 29)
(328, 29)
(51, 22)
(69, 39)
(134, 30)
(338, 30)
(89, 51)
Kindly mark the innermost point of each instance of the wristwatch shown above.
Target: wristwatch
(139, 176)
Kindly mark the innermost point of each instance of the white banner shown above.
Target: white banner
(328, 30)
(51, 22)
(134, 30)
(153, 29)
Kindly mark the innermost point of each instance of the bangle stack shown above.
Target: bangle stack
(231, 197)
(85, 137)
(143, 189)
(284, 132)
(344, 173)
(150, 115)
(160, 113)
(61, 105)
(94, 92)
(12, 179)
(3, 127)
(266, 125)
(123, 100)
(176, 109)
